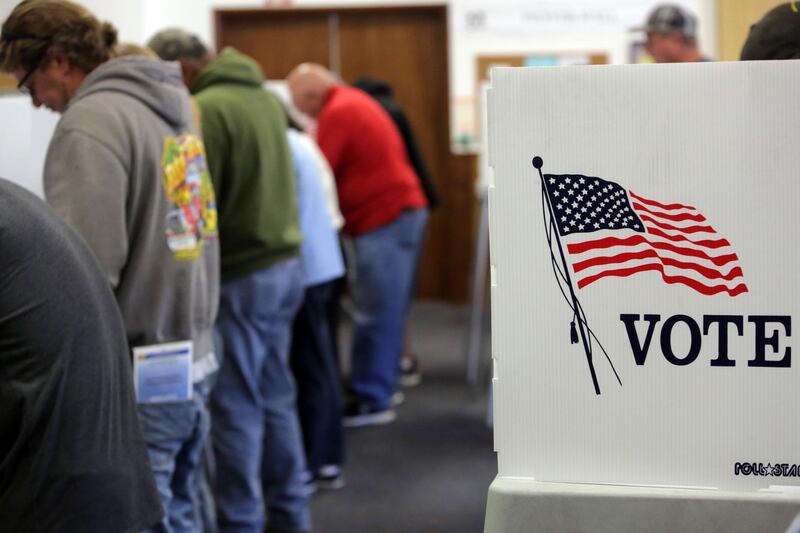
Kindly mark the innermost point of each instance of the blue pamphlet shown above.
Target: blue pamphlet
(163, 372)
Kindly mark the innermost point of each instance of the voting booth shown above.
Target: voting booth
(645, 297)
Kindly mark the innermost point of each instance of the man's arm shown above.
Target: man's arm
(332, 138)
(215, 140)
(87, 184)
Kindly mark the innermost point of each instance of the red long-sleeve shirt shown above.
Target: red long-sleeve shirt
(374, 178)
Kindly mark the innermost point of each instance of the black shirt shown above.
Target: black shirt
(71, 454)
(383, 93)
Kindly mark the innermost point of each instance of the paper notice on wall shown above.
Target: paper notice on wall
(555, 17)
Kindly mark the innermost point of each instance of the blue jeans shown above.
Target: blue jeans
(258, 447)
(313, 363)
(385, 262)
(175, 434)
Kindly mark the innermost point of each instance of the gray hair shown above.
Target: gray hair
(172, 44)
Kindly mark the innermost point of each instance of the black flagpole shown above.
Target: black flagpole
(537, 164)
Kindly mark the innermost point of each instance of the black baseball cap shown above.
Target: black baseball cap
(670, 18)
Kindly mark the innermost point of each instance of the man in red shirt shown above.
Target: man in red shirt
(385, 214)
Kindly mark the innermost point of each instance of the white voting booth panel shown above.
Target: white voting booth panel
(645, 283)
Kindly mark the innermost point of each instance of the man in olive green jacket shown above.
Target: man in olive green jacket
(255, 433)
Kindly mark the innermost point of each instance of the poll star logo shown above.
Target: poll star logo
(607, 231)
(771, 470)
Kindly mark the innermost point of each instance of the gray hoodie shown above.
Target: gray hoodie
(126, 168)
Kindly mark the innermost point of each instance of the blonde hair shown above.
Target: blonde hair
(133, 49)
(39, 27)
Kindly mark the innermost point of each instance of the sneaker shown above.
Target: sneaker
(310, 485)
(398, 398)
(360, 414)
(330, 477)
(410, 375)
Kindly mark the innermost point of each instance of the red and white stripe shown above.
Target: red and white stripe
(679, 244)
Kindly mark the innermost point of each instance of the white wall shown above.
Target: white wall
(507, 31)
(24, 138)
(512, 26)
(547, 26)
(138, 20)
(127, 15)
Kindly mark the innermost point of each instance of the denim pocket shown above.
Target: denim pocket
(166, 421)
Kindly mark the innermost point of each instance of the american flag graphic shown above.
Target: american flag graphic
(611, 232)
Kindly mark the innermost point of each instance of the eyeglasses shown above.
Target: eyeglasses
(21, 86)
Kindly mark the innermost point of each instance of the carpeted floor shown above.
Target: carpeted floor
(429, 471)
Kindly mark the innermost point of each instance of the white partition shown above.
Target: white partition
(665, 216)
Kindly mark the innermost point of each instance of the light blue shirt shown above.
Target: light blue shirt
(320, 251)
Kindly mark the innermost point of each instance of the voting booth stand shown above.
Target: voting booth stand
(644, 229)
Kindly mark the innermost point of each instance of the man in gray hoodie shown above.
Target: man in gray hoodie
(126, 168)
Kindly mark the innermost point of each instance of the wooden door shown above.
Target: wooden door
(408, 49)
(7, 82)
(278, 43)
(406, 46)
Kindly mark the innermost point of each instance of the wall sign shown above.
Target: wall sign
(553, 16)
